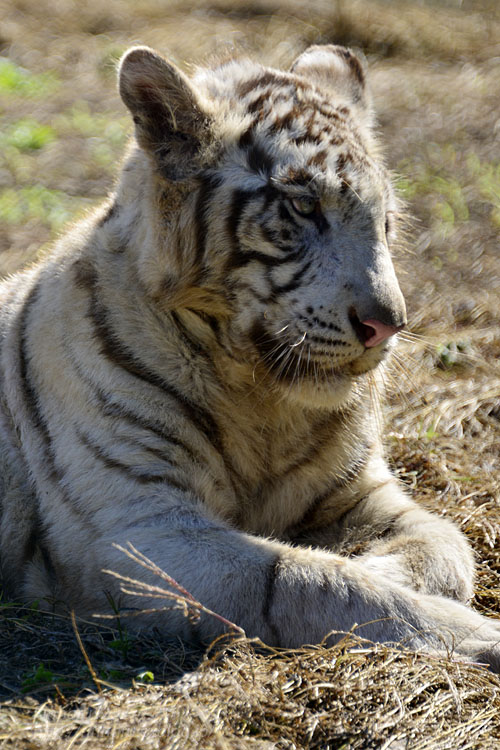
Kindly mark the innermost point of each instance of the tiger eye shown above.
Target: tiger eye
(305, 205)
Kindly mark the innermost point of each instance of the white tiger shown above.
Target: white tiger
(189, 371)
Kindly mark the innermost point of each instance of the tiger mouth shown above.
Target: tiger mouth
(299, 369)
(298, 362)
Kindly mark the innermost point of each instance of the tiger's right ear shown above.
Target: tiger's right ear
(339, 70)
(169, 119)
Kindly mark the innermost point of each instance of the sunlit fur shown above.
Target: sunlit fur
(187, 371)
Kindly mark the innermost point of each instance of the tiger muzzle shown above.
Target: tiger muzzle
(378, 310)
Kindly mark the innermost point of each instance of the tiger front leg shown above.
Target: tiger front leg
(409, 545)
(286, 595)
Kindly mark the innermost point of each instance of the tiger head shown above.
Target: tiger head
(274, 215)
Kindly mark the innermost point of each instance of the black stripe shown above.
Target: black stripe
(271, 194)
(265, 300)
(122, 356)
(269, 234)
(208, 184)
(239, 257)
(353, 63)
(36, 541)
(349, 474)
(160, 453)
(282, 242)
(215, 328)
(31, 402)
(321, 222)
(275, 353)
(28, 390)
(110, 408)
(131, 472)
(113, 210)
(321, 432)
(306, 138)
(188, 339)
(269, 593)
(259, 160)
(243, 258)
(246, 138)
(266, 78)
(30, 544)
(269, 348)
(210, 320)
(85, 274)
(257, 105)
(286, 121)
(294, 282)
(240, 200)
(285, 214)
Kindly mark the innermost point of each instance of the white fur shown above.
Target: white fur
(137, 405)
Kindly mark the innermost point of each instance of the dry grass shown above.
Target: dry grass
(436, 86)
(354, 695)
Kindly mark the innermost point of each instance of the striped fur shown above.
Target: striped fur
(187, 371)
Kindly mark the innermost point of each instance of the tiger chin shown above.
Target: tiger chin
(191, 369)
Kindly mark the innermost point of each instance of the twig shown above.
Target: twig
(91, 669)
(184, 598)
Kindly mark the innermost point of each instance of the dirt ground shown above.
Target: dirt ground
(436, 83)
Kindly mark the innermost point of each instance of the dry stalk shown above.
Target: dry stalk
(191, 607)
(91, 669)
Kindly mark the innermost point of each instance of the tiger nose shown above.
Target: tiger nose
(375, 332)
(372, 332)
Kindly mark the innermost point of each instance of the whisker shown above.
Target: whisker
(401, 366)
(352, 189)
(289, 361)
(375, 401)
(299, 342)
(298, 372)
(431, 345)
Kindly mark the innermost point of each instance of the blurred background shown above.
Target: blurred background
(435, 74)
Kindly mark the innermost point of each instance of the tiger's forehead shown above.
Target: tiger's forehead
(296, 133)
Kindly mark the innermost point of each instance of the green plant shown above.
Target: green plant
(124, 641)
(20, 82)
(36, 202)
(29, 135)
(40, 675)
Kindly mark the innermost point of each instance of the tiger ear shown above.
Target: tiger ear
(337, 69)
(169, 118)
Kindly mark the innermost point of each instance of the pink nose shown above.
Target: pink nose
(376, 332)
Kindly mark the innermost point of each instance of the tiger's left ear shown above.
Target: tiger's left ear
(337, 69)
(171, 124)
